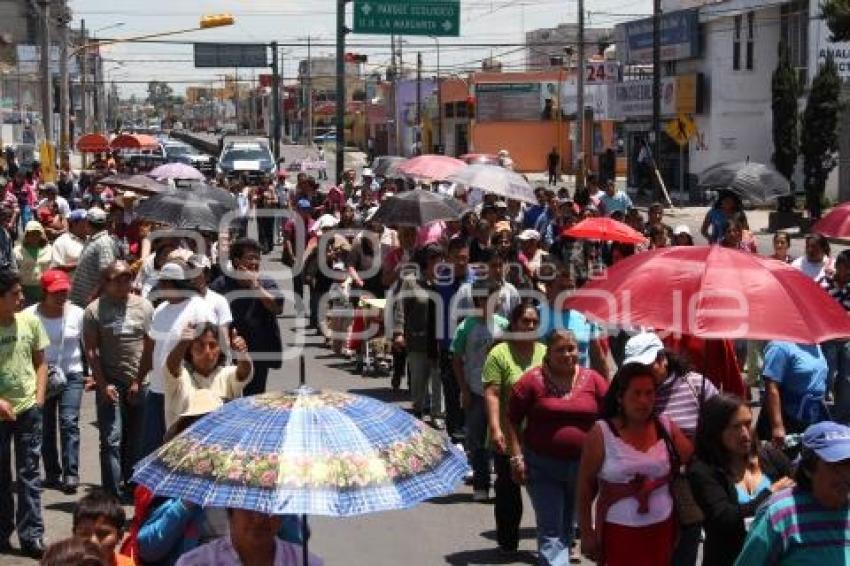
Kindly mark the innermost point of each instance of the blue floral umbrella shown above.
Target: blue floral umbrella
(306, 452)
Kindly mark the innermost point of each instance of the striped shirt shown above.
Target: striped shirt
(679, 399)
(794, 529)
(101, 250)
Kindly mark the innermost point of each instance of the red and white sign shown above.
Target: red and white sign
(601, 72)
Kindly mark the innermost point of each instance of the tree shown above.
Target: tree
(785, 90)
(837, 16)
(819, 139)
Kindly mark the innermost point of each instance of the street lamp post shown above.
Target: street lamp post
(439, 98)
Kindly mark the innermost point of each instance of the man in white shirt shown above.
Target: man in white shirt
(68, 247)
(216, 302)
(182, 306)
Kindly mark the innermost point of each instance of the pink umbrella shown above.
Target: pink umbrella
(177, 171)
(433, 167)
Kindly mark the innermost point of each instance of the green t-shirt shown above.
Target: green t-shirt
(18, 341)
(503, 369)
(472, 342)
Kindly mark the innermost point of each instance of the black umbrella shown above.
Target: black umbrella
(418, 208)
(137, 183)
(186, 209)
(751, 181)
(208, 193)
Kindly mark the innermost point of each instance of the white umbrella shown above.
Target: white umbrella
(496, 180)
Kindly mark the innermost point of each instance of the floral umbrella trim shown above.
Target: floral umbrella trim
(301, 400)
(392, 463)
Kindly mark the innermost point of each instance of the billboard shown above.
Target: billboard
(679, 37)
(512, 102)
(29, 60)
(230, 55)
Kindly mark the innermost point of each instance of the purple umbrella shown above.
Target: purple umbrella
(177, 171)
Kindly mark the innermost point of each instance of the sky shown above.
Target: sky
(491, 22)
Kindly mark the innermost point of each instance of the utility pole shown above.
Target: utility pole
(399, 73)
(580, 98)
(341, 30)
(418, 136)
(64, 88)
(309, 92)
(441, 149)
(98, 80)
(84, 79)
(46, 78)
(392, 79)
(656, 90)
(275, 103)
(236, 97)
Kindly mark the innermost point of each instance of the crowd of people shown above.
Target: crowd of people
(657, 435)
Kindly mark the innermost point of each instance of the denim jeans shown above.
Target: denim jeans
(154, 430)
(508, 507)
(425, 378)
(837, 353)
(476, 443)
(66, 406)
(25, 435)
(552, 488)
(120, 424)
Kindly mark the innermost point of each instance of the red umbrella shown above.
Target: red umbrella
(93, 143)
(603, 228)
(836, 224)
(713, 292)
(434, 167)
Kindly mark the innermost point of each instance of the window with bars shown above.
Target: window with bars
(736, 43)
(794, 31)
(751, 33)
(743, 41)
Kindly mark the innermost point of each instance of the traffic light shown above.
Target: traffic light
(216, 21)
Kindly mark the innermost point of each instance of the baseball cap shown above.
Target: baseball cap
(96, 215)
(304, 204)
(500, 204)
(829, 440)
(174, 271)
(34, 226)
(367, 173)
(643, 349)
(529, 234)
(50, 188)
(55, 280)
(77, 215)
(681, 229)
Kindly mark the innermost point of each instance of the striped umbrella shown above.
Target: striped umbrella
(306, 452)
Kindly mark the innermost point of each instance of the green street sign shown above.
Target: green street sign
(407, 17)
